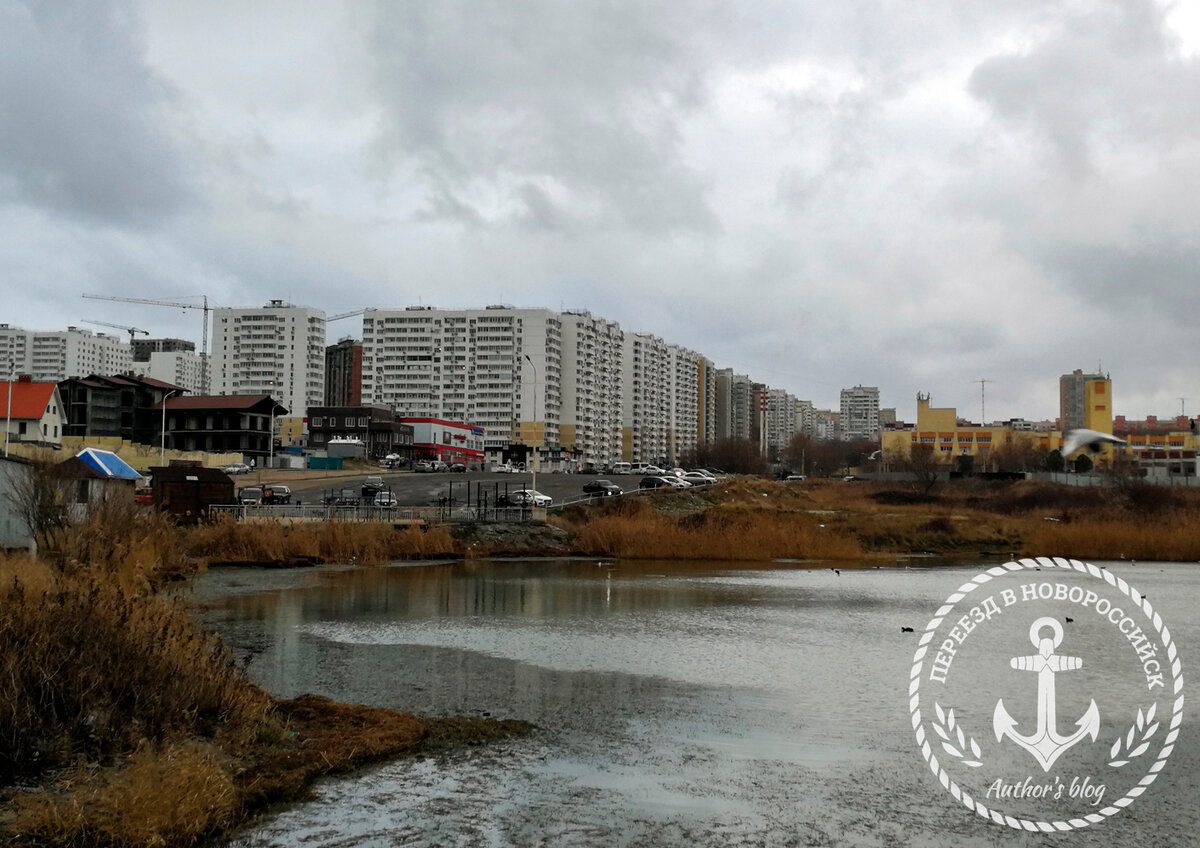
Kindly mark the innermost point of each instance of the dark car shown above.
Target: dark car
(654, 483)
(458, 468)
(603, 488)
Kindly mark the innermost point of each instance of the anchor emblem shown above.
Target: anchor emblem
(1044, 743)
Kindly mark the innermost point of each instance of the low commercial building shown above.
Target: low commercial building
(448, 441)
(380, 430)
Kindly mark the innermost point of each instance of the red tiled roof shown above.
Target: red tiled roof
(29, 400)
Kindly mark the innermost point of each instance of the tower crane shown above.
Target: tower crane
(342, 315)
(178, 305)
(131, 330)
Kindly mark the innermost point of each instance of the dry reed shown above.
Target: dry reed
(719, 536)
(226, 540)
(1166, 538)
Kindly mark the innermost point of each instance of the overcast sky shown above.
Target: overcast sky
(821, 194)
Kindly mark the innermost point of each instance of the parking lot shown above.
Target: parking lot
(414, 489)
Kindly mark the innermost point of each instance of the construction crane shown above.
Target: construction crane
(131, 330)
(344, 315)
(178, 305)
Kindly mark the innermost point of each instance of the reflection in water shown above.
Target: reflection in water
(676, 704)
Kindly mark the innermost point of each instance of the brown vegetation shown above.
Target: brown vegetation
(368, 543)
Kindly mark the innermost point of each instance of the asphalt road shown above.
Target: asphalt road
(425, 489)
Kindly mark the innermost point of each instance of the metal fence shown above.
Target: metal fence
(398, 515)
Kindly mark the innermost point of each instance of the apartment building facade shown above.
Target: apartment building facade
(276, 350)
(53, 355)
(860, 413)
(498, 368)
(343, 373)
(591, 422)
(1084, 400)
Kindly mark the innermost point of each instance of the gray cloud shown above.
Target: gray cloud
(81, 129)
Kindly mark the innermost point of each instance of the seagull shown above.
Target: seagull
(1069, 619)
(906, 630)
(1073, 440)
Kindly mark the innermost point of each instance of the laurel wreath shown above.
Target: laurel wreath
(1142, 730)
(943, 777)
(946, 727)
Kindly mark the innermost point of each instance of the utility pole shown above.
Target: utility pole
(983, 400)
(1182, 401)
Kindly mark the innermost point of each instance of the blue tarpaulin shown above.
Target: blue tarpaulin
(108, 464)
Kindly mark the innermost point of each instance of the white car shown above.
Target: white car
(503, 468)
(677, 482)
(524, 497)
(654, 471)
(697, 479)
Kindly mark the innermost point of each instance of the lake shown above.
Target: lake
(676, 704)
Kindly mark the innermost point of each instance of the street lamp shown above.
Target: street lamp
(162, 449)
(12, 376)
(533, 484)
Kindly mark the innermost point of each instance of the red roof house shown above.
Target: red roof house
(35, 415)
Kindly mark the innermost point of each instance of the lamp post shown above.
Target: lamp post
(533, 484)
(162, 449)
(271, 439)
(8, 418)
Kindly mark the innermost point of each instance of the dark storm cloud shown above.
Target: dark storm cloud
(80, 125)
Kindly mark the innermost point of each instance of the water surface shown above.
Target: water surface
(675, 704)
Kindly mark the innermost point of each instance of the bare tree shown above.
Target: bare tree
(39, 498)
(925, 465)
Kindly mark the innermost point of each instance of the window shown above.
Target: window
(318, 422)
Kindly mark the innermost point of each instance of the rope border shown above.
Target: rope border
(915, 695)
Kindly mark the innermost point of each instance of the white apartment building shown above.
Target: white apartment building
(499, 368)
(648, 375)
(707, 385)
(805, 418)
(591, 389)
(183, 368)
(276, 350)
(782, 424)
(860, 413)
(735, 417)
(684, 421)
(827, 425)
(53, 355)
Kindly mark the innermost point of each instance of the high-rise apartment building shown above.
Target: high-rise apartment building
(142, 348)
(1085, 401)
(781, 421)
(343, 373)
(183, 368)
(591, 389)
(735, 419)
(647, 366)
(860, 414)
(499, 368)
(276, 350)
(54, 355)
(805, 418)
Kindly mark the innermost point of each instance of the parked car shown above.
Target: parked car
(653, 483)
(654, 470)
(423, 466)
(697, 478)
(386, 500)
(505, 468)
(143, 495)
(250, 495)
(372, 485)
(525, 497)
(237, 468)
(276, 493)
(795, 478)
(677, 482)
(458, 468)
(603, 488)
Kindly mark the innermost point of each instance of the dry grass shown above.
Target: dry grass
(226, 540)
(1171, 538)
(734, 534)
(93, 671)
(176, 795)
